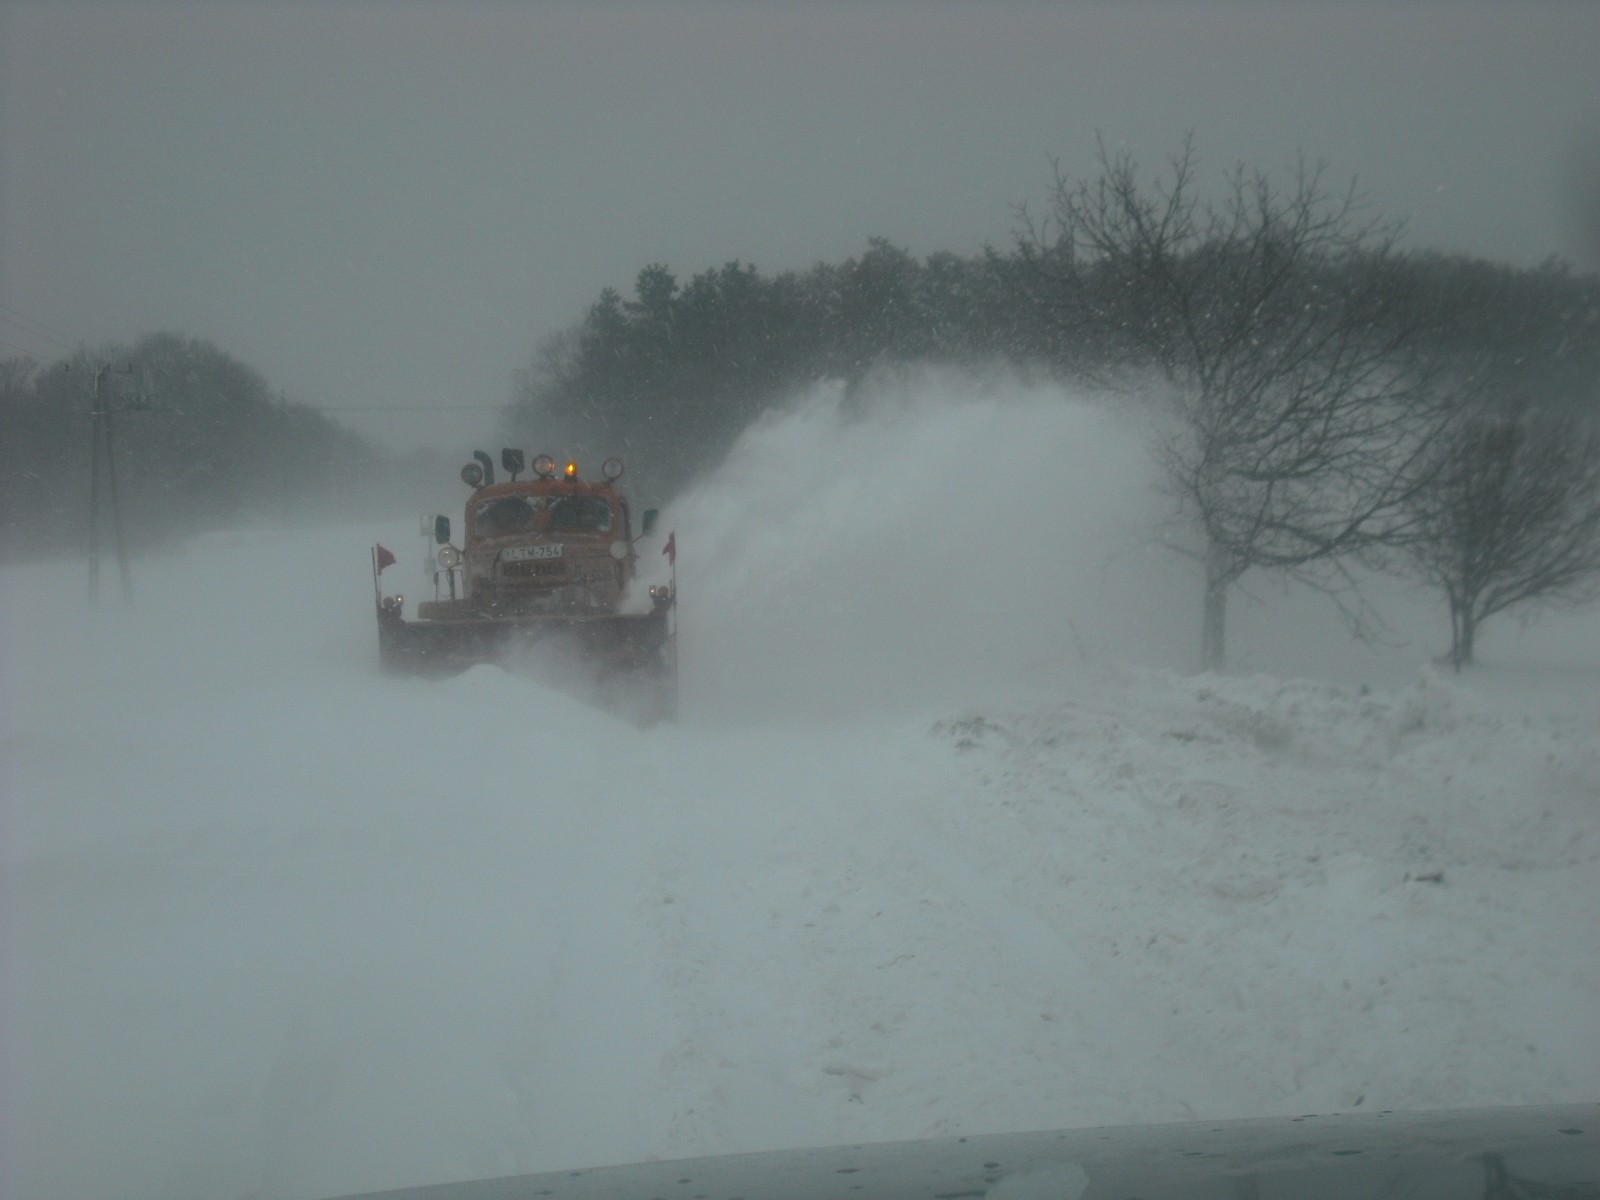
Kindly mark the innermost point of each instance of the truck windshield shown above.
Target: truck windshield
(506, 514)
(588, 513)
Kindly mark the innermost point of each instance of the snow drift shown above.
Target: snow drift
(946, 843)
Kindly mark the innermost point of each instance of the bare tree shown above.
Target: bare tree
(1279, 317)
(1508, 514)
(1514, 520)
(1511, 517)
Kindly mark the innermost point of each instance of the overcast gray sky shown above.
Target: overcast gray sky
(389, 205)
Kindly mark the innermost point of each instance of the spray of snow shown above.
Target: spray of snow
(929, 544)
(946, 843)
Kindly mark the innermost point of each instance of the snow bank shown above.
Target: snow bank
(926, 855)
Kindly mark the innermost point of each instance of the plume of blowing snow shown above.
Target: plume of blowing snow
(929, 543)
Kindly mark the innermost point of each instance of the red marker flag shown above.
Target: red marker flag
(385, 559)
(671, 548)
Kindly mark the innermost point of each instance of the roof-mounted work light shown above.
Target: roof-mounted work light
(544, 466)
(612, 469)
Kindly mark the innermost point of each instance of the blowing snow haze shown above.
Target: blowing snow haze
(942, 844)
(949, 837)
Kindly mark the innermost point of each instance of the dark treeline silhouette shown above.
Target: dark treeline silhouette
(671, 376)
(201, 442)
(1327, 392)
(675, 372)
(1326, 398)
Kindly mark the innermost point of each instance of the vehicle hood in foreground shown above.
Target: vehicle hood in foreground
(1484, 1154)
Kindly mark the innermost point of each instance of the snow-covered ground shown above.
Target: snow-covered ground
(947, 841)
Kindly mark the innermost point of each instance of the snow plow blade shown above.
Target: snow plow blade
(605, 645)
(626, 665)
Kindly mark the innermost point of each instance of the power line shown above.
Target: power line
(17, 346)
(30, 347)
(36, 328)
(356, 408)
(34, 321)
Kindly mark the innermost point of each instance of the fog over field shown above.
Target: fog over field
(950, 836)
(948, 840)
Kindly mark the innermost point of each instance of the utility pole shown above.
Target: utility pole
(101, 424)
(95, 406)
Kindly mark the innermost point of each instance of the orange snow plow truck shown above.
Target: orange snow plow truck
(545, 564)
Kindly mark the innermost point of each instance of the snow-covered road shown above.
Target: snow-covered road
(276, 926)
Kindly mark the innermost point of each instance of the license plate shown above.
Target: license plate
(521, 553)
(533, 570)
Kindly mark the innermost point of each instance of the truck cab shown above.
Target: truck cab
(546, 546)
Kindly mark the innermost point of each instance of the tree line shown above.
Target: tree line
(676, 372)
(201, 443)
(1330, 399)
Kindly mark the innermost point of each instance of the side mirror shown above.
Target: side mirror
(441, 529)
(650, 515)
(511, 460)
